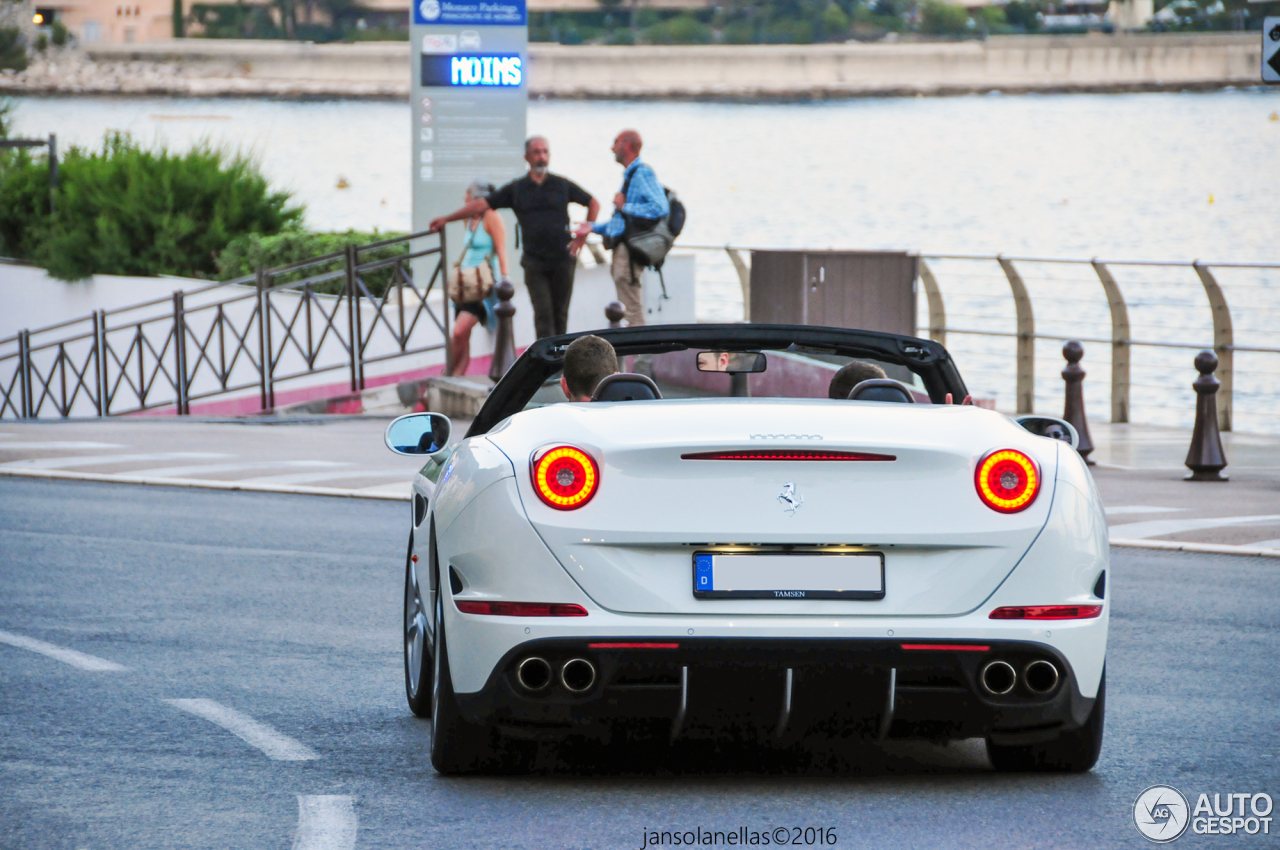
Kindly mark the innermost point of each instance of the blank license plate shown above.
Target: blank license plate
(719, 575)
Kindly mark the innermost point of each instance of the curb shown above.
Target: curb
(1200, 548)
(192, 483)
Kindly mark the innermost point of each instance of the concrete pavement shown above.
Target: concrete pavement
(284, 611)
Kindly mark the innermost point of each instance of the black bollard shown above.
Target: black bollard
(614, 312)
(1073, 409)
(504, 347)
(1205, 458)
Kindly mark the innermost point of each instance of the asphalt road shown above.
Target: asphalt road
(286, 609)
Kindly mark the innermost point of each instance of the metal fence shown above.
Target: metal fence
(274, 328)
(1141, 321)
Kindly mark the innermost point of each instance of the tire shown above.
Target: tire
(458, 747)
(418, 669)
(1071, 752)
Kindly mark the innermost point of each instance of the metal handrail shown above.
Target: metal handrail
(124, 362)
(1120, 341)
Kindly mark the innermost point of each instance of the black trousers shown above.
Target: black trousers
(550, 286)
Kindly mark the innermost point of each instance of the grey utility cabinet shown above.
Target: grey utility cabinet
(869, 290)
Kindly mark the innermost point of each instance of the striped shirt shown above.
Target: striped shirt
(645, 199)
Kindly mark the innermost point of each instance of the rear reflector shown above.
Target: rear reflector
(947, 647)
(1047, 612)
(520, 609)
(633, 646)
(786, 454)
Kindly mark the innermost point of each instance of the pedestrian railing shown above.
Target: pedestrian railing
(998, 313)
(340, 312)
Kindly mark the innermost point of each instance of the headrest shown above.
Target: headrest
(881, 389)
(626, 386)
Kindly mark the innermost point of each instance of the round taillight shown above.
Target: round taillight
(565, 478)
(1007, 481)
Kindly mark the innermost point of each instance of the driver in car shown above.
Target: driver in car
(587, 361)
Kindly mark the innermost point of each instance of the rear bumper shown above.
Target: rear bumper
(780, 689)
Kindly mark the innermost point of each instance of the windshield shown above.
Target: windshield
(786, 374)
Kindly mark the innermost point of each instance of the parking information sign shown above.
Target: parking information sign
(470, 61)
(1271, 50)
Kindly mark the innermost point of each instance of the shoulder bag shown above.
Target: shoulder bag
(473, 283)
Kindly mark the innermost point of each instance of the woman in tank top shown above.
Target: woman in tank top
(485, 241)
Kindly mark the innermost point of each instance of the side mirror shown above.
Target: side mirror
(1054, 429)
(733, 362)
(419, 434)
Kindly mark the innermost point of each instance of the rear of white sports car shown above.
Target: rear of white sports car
(771, 569)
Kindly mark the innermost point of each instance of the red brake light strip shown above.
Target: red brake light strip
(946, 647)
(633, 646)
(520, 609)
(1047, 612)
(785, 454)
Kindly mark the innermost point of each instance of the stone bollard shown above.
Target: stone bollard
(614, 312)
(1205, 458)
(1073, 409)
(504, 347)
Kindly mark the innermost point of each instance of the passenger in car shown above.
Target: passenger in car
(850, 375)
(587, 361)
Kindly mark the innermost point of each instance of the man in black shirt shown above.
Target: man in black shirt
(540, 201)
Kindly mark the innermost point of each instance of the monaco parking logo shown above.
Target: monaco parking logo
(1161, 814)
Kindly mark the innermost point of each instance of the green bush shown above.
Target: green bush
(682, 29)
(130, 210)
(789, 32)
(246, 254)
(739, 32)
(942, 18)
(59, 36)
(42, 43)
(13, 49)
(835, 23)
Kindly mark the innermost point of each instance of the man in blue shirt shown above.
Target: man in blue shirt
(636, 209)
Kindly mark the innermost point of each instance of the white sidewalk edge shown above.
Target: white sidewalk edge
(1201, 548)
(125, 478)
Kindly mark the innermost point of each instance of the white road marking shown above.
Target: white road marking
(1267, 544)
(275, 744)
(188, 471)
(95, 460)
(63, 444)
(79, 660)
(400, 488)
(1160, 527)
(1140, 509)
(309, 477)
(325, 822)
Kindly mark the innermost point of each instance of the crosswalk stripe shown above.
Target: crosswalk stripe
(98, 460)
(1159, 527)
(69, 445)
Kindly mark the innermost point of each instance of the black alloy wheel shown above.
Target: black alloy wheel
(418, 668)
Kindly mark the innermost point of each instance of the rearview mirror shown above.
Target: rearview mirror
(733, 362)
(419, 434)
(1054, 429)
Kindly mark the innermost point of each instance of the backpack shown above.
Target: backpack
(649, 240)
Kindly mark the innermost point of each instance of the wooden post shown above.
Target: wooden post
(1119, 344)
(1223, 341)
(937, 311)
(1205, 458)
(615, 312)
(1073, 408)
(504, 347)
(1026, 387)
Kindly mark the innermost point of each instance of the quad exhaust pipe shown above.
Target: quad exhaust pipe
(998, 677)
(534, 673)
(1040, 676)
(578, 675)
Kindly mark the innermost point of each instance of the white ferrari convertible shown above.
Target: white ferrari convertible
(715, 547)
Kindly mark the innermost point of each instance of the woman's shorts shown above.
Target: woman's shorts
(475, 308)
